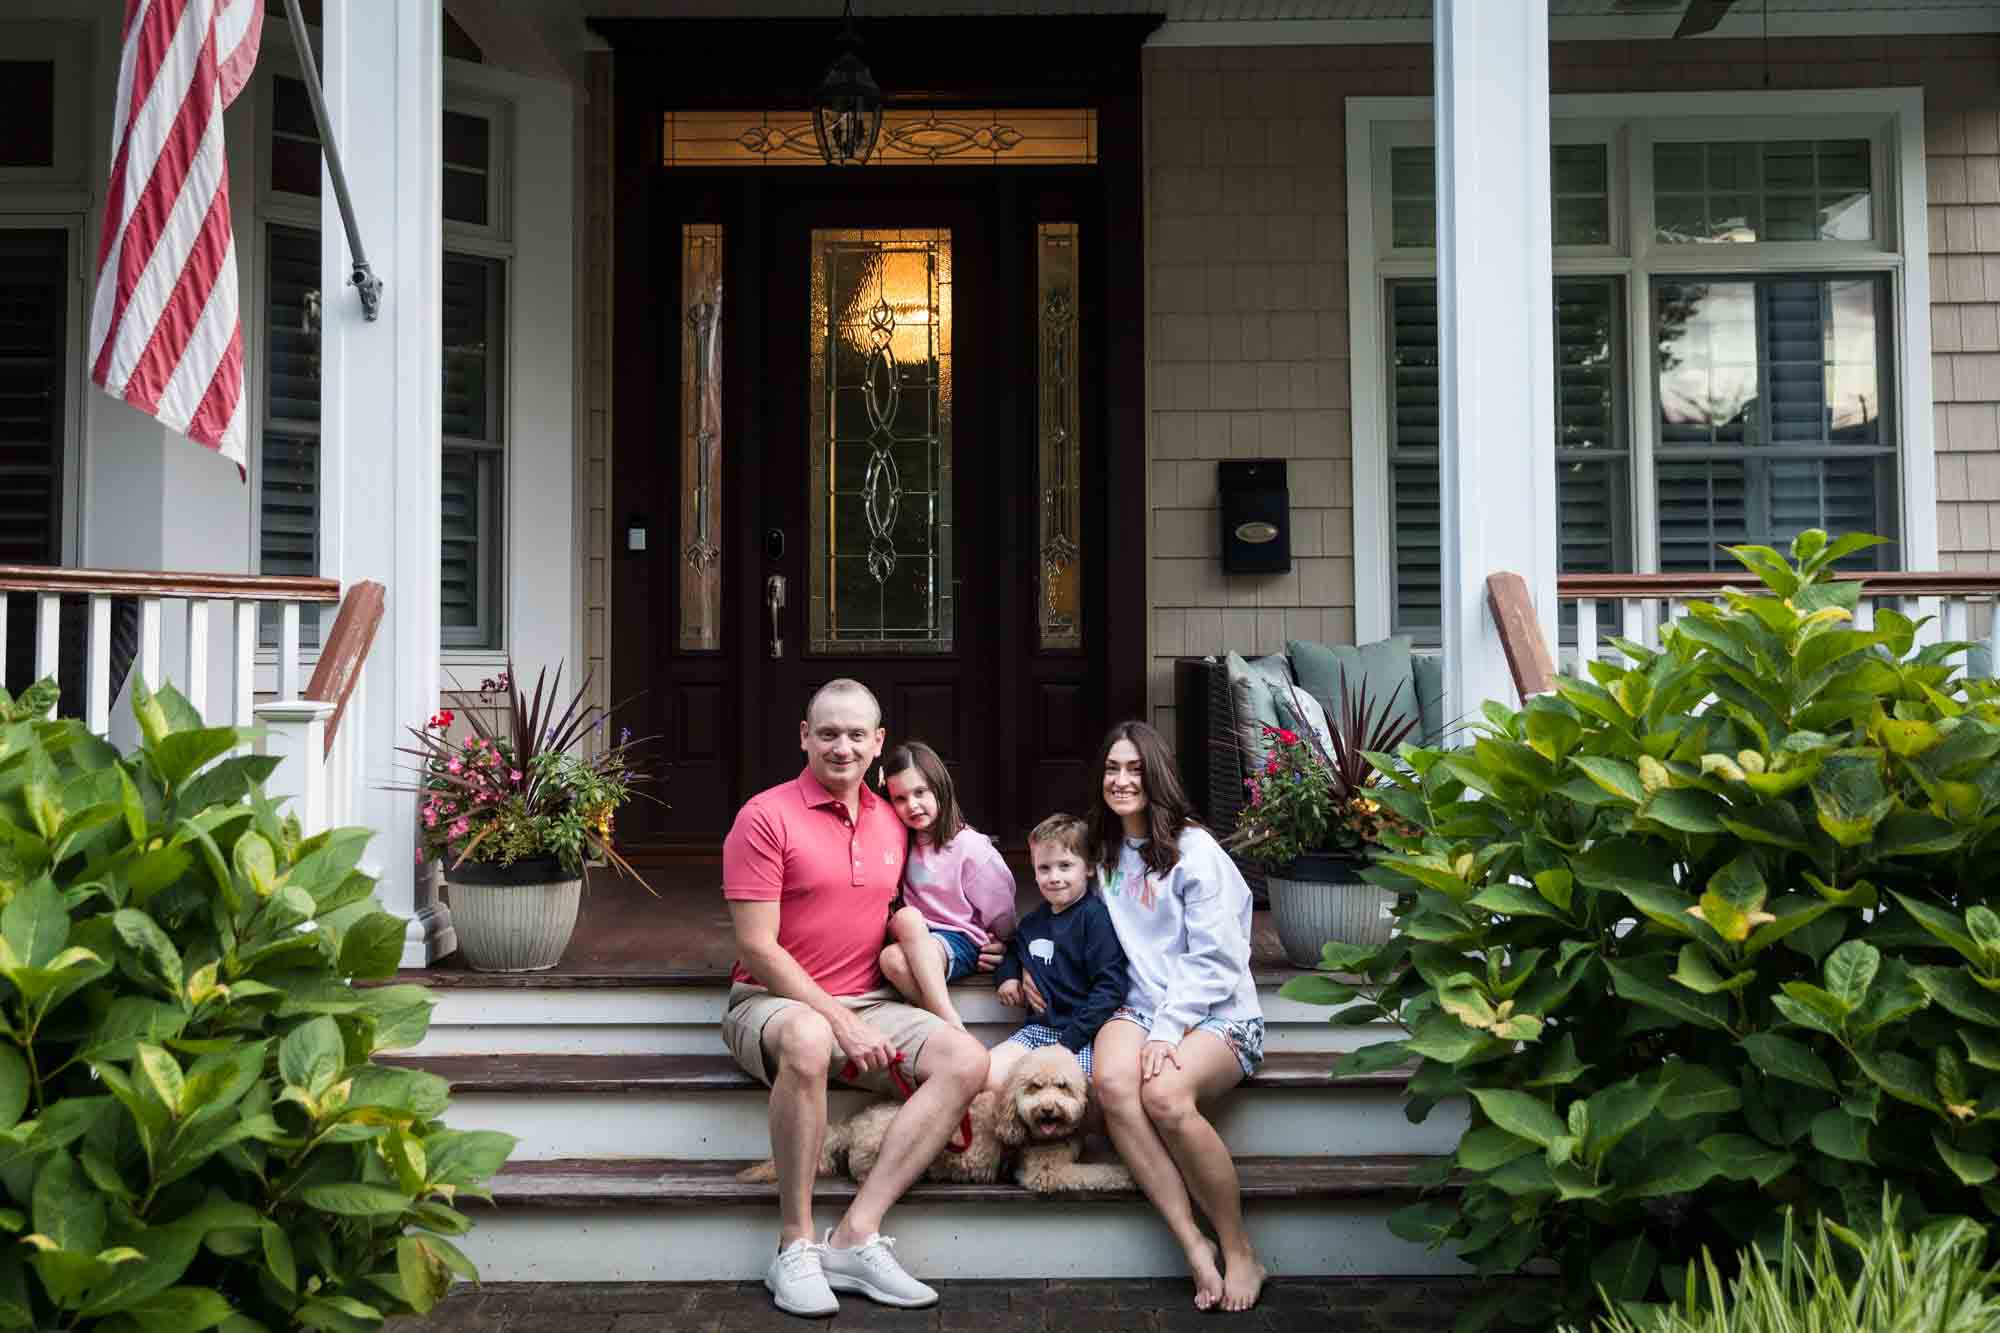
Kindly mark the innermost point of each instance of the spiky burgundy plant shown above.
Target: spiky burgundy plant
(523, 789)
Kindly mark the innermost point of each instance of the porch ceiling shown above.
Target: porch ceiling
(1641, 13)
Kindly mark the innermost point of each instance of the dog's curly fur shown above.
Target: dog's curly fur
(1033, 1126)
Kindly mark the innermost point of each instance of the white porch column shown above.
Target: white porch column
(1496, 330)
(295, 731)
(381, 404)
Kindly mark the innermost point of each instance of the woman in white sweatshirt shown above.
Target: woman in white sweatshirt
(1191, 1027)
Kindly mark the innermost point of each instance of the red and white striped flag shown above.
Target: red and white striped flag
(165, 333)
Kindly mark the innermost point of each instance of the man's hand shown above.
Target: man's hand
(1009, 993)
(990, 954)
(863, 1043)
(1034, 997)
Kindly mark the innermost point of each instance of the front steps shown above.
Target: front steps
(633, 1121)
(687, 1221)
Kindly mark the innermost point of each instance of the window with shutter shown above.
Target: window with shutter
(1593, 491)
(34, 290)
(1771, 420)
(289, 467)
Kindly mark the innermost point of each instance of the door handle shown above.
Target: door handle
(774, 598)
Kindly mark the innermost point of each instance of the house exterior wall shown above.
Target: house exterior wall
(1247, 344)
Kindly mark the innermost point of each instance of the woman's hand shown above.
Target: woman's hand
(1009, 993)
(1034, 997)
(1154, 1057)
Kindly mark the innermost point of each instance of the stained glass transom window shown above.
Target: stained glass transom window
(881, 385)
(1019, 136)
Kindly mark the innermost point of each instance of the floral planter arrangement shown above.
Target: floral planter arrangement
(1314, 824)
(515, 814)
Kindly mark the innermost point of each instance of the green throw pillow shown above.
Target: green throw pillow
(1384, 667)
(1427, 670)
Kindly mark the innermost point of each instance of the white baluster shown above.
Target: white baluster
(288, 652)
(1920, 607)
(195, 684)
(48, 634)
(1864, 613)
(245, 678)
(149, 642)
(1633, 615)
(1586, 634)
(1957, 614)
(97, 683)
(3, 626)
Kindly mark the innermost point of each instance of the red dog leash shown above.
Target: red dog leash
(961, 1138)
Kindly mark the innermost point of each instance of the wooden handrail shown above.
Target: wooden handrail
(1898, 583)
(345, 650)
(1527, 652)
(160, 583)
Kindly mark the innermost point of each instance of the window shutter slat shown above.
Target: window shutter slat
(33, 318)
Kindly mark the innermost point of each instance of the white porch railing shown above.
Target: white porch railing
(204, 635)
(1635, 606)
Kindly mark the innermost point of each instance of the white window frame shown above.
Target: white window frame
(1891, 119)
(495, 241)
(67, 45)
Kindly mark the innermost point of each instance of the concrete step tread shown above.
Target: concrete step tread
(1287, 1071)
(648, 1183)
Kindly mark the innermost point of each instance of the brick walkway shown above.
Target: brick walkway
(1320, 1305)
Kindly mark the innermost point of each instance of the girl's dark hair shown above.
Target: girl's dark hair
(1167, 808)
(915, 754)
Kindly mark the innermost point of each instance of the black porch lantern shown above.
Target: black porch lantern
(847, 105)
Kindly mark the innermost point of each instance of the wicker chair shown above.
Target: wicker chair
(1211, 760)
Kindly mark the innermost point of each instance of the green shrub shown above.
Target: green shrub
(1887, 1282)
(1701, 937)
(192, 1135)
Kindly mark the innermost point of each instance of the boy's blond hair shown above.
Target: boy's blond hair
(1065, 831)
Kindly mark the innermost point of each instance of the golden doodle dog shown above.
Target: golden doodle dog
(1034, 1125)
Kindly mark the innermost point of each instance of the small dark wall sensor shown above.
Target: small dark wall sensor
(1256, 508)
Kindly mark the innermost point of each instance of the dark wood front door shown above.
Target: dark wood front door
(880, 508)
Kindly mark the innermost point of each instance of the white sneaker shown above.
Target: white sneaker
(797, 1283)
(871, 1269)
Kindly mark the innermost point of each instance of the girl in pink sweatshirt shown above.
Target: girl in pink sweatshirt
(957, 890)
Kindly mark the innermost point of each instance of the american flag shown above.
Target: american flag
(165, 334)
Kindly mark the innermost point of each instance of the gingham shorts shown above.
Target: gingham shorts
(1034, 1036)
(1245, 1036)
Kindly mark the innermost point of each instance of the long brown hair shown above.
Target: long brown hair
(915, 754)
(1167, 810)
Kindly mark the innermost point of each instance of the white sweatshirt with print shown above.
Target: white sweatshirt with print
(1186, 935)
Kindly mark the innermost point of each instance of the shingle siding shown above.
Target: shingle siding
(1247, 340)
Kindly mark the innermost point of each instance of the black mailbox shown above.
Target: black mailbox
(1256, 512)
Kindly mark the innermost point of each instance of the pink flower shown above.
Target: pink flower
(461, 828)
(430, 819)
(514, 775)
(454, 767)
(1271, 765)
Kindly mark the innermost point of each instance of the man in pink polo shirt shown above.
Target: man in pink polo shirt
(810, 868)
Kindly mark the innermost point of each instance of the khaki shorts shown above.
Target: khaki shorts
(750, 1008)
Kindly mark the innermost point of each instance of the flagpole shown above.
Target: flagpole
(364, 278)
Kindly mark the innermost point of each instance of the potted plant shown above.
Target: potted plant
(517, 814)
(1314, 823)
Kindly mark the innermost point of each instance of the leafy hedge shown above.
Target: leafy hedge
(1701, 937)
(192, 1134)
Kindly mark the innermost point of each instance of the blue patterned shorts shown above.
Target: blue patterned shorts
(1245, 1036)
(961, 955)
(1034, 1036)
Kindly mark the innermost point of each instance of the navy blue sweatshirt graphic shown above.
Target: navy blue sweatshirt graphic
(1075, 961)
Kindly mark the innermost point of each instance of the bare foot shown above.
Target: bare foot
(1208, 1285)
(1244, 1282)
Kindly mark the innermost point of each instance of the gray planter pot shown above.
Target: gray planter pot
(1316, 899)
(516, 919)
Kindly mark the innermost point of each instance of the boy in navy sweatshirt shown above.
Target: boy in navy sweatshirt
(1066, 947)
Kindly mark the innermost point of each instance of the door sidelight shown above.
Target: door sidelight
(774, 598)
